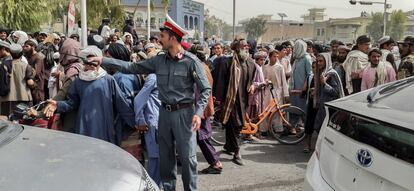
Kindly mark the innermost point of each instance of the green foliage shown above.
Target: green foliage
(216, 26)
(397, 27)
(26, 15)
(376, 27)
(166, 4)
(99, 9)
(255, 28)
(57, 9)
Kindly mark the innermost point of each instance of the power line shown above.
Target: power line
(219, 9)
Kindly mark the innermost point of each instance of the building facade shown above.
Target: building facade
(314, 15)
(409, 25)
(186, 13)
(345, 30)
(278, 30)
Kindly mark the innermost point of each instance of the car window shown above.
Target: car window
(393, 140)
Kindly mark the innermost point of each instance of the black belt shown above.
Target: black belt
(176, 107)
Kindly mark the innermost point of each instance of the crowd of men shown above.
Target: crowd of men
(120, 87)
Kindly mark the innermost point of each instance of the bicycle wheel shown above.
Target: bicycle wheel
(280, 129)
(218, 135)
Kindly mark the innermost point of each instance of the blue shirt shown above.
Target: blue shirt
(146, 103)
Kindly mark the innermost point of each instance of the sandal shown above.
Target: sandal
(211, 170)
(292, 131)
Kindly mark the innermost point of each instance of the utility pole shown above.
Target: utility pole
(148, 20)
(234, 19)
(386, 6)
(282, 15)
(84, 24)
(385, 17)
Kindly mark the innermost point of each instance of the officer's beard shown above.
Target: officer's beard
(244, 54)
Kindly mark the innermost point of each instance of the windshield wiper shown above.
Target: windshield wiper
(391, 88)
(8, 132)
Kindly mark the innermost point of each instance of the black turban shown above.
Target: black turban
(119, 51)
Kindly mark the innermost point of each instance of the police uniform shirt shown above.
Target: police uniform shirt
(175, 77)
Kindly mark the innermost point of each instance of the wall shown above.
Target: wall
(178, 11)
(289, 30)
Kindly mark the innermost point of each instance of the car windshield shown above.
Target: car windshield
(393, 140)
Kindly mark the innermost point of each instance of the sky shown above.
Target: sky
(295, 8)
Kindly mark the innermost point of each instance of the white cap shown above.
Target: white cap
(91, 51)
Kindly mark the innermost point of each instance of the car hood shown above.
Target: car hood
(42, 159)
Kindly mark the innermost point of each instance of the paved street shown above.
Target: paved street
(268, 166)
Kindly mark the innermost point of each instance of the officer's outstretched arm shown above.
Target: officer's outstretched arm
(143, 67)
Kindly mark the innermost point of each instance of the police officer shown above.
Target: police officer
(406, 67)
(177, 70)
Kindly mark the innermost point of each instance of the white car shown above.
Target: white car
(40, 159)
(366, 142)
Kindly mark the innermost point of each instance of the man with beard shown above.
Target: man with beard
(339, 67)
(334, 50)
(177, 71)
(20, 78)
(36, 61)
(386, 44)
(104, 29)
(378, 72)
(235, 77)
(406, 68)
(129, 28)
(98, 99)
(40, 38)
(355, 62)
(5, 51)
(3, 34)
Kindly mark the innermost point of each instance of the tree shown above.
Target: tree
(255, 28)
(99, 9)
(376, 27)
(57, 9)
(397, 27)
(216, 26)
(23, 14)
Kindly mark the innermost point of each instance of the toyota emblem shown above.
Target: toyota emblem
(364, 157)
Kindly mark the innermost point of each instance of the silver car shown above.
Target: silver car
(41, 159)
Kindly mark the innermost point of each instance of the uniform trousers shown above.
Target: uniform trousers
(175, 132)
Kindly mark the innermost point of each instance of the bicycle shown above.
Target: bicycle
(279, 118)
(217, 135)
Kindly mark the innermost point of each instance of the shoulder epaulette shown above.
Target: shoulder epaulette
(192, 56)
